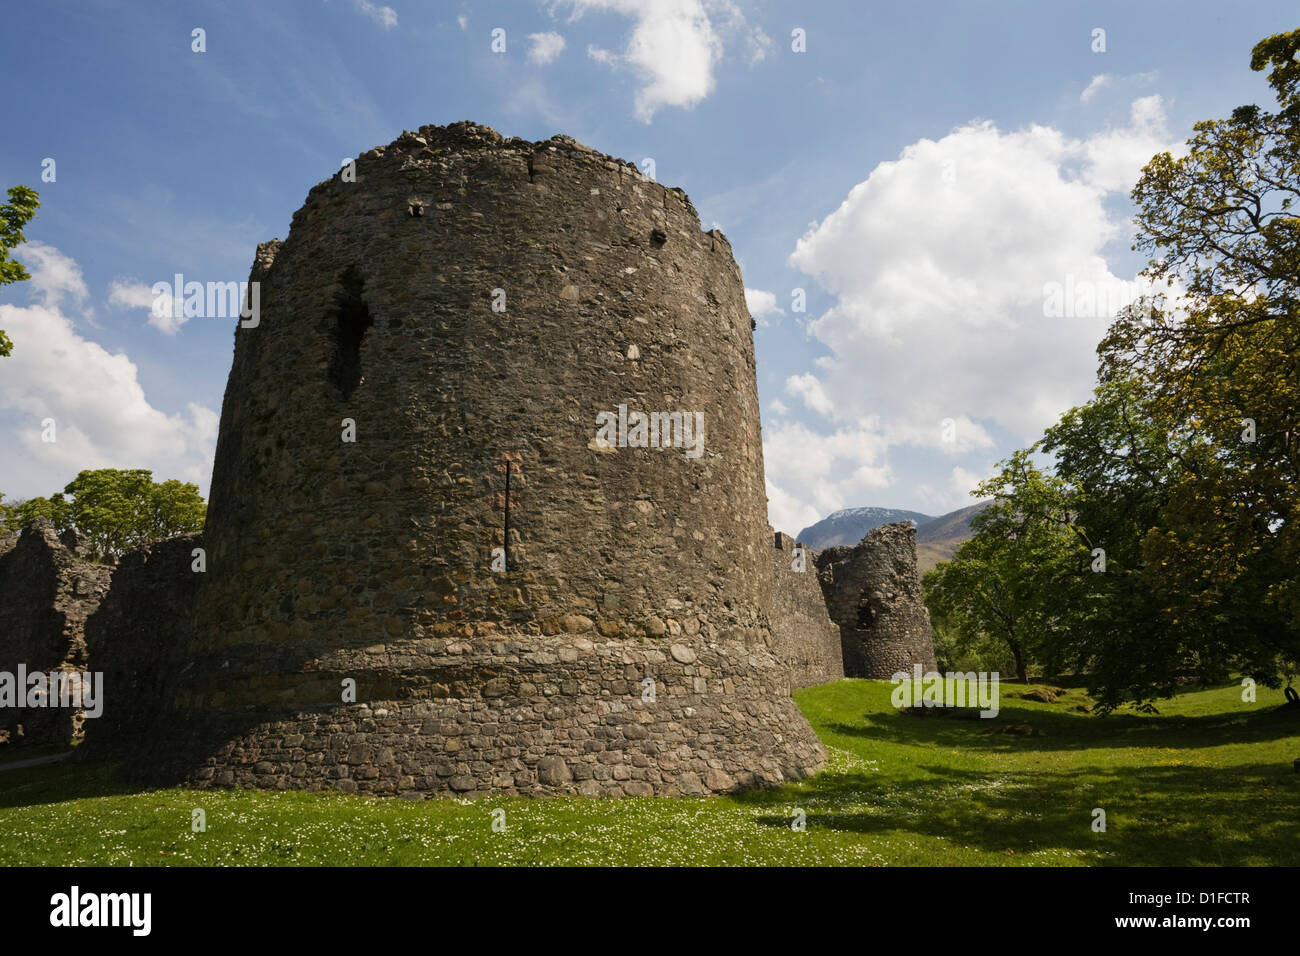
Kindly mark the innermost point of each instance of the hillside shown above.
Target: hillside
(938, 538)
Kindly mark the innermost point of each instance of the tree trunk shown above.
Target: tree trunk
(1020, 662)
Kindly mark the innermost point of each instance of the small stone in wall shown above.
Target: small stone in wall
(577, 623)
(553, 771)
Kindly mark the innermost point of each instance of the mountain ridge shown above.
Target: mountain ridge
(937, 536)
(848, 525)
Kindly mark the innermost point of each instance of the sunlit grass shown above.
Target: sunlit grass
(1208, 781)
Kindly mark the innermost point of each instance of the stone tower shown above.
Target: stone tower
(873, 593)
(420, 488)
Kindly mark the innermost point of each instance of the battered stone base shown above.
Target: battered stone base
(538, 716)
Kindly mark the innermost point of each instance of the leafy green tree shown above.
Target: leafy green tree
(1117, 465)
(14, 215)
(6, 514)
(1184, 468)
(1219, 364)
(1006, 584)
(960, 650)
(118, 509)
(173, 507)
(1069, 570)
(54, 507)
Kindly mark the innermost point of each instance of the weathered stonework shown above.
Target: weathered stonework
(805, 637)
(371, 561)
(560, 714)
(48, 588)
(136, 639)
(874, 594)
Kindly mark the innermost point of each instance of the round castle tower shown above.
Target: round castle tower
(433, 480)
(873, 593)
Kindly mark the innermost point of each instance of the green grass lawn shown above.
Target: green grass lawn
(1208, 781)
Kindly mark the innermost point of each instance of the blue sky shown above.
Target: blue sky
(921, 171)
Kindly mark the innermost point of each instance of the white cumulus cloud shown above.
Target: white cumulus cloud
(545, 47)
(938, 263)
(965, 481)
(1098, 82)
(1116, 156)
(809, 389)
(55, 278)
(760, 304)
(810, 475)
(675, 46)
(787, 513)
(102, 418)
(386, 17)
(133, 294)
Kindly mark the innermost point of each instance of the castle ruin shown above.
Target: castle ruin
(487, 512)
(873, 594)
(805, 637)
(49, 587)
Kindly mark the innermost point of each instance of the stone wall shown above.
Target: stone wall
(371, 560)
(48, 589)
(561, 714)
(136, 639)
(873, 594)
(804, 636)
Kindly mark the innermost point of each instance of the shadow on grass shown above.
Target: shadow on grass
(55, 783)
(16, 754)
(1056, 731)
(1155, 816)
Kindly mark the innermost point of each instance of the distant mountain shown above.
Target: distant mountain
(936, 538)
(851, 525)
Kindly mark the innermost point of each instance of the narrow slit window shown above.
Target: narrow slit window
(352, 319)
